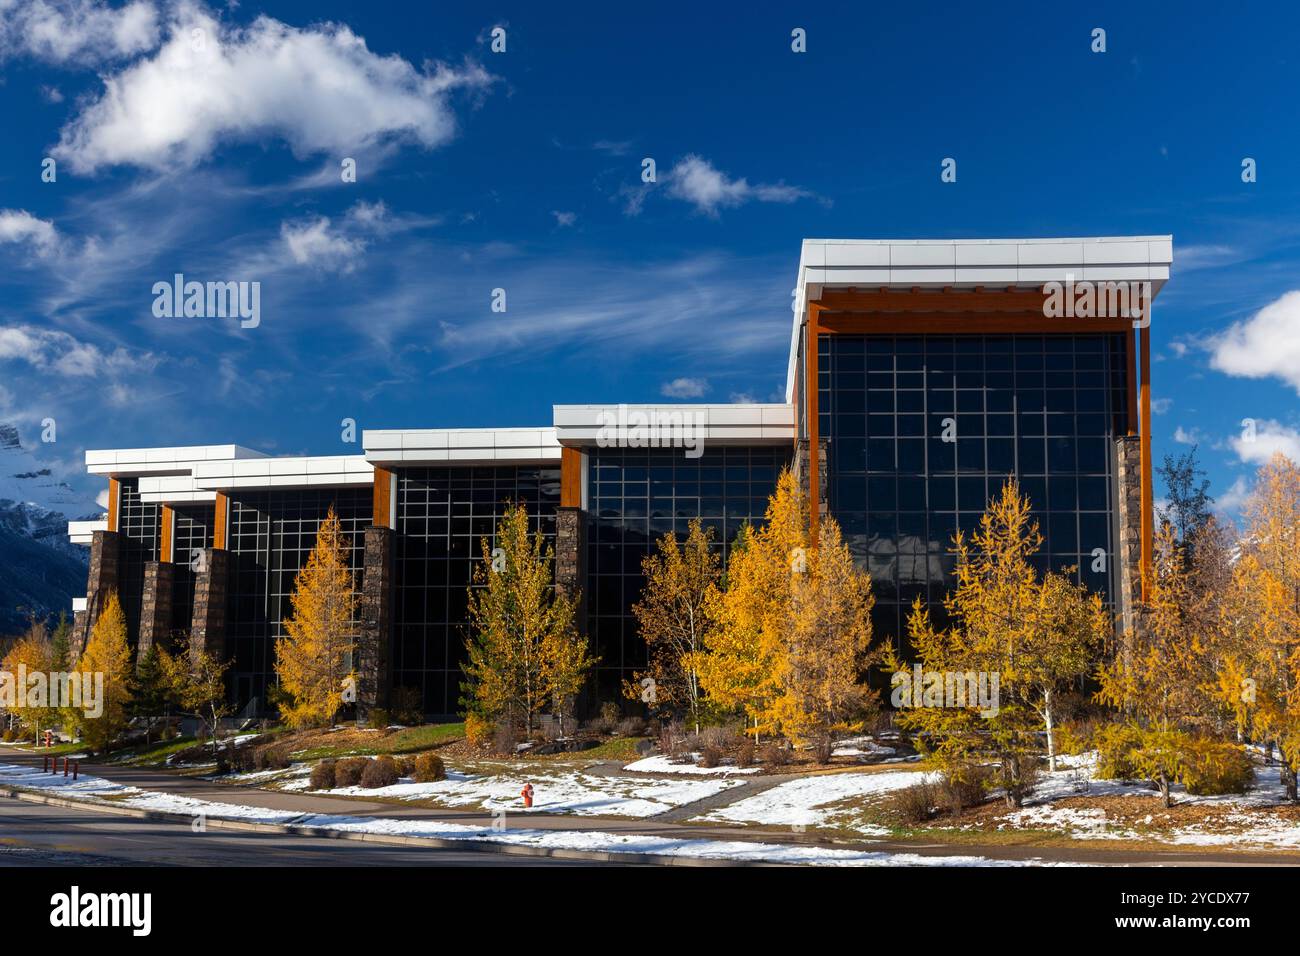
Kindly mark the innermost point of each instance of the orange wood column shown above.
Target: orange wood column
(221, 511)
(168, 532)
(814, 420)
(114, 493)
(570, 477)
(1130, 360)
(385, 488)
(1148, 522)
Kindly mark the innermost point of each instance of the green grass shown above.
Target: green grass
(407, 740)
(617, 748)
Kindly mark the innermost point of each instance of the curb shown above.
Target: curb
(473, 845)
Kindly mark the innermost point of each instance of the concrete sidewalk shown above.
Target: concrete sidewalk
(664, 826)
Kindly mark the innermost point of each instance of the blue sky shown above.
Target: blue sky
(217, 155)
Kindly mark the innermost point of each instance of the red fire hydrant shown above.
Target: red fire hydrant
(527, 794)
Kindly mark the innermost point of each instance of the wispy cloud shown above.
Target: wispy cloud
(697, 181)
(685, 388)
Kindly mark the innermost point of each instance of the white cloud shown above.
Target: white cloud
(318, 88)
(1269, 437)
(1186, 436)
(1265, 345)
(685, 388)
(18, 225)
(1160, 406)
(696, 180)
(63, 354)
(563, 218)
(1230, 501)
(76, 32)
(313, 243)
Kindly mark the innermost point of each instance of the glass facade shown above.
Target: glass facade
(635, 497)
(139, 525)
(924, 429)
(442, 516)
(270, 535)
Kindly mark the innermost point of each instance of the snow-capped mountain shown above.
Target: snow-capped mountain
(40, 570)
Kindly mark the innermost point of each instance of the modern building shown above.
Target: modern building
(921, 374)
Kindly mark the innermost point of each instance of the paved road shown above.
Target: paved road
(32, 834)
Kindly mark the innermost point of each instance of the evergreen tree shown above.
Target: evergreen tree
(673, 615)
(312, 658)
(524, 653)
(154, 694)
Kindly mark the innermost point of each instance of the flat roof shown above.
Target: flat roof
(967, 263)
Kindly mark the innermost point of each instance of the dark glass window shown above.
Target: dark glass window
(734, 485)
(139, 525)
(1045, 408)
(270, 535)
(191, 532)
(442, 516)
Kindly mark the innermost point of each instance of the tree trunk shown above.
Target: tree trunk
(1162, 781)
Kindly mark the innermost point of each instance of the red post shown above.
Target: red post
(65, 766)
(76, 767)
(45, 763)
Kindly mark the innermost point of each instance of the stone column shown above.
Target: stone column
(571, 556)
(155, 607)
(802, 467)
(208, 627)
(1128, 539)
(374, 677)
(100, 583)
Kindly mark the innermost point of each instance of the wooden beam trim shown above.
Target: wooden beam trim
(570, 477)
(114, 494)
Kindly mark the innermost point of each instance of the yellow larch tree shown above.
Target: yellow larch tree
(674, 619)
(524, 652)
(743, 651)
(108, 654)
(827, 634)
(311, 659)
(33, 652)
(1267, 667)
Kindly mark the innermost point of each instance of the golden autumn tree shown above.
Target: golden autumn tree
(1010, 642)
(1165, 682)
(1263, 677)
(825, 644)
(524, 652)
(107, 656)
(674, 619)
(197, 681)
(33, 653)
(312, 658)
(743, 651)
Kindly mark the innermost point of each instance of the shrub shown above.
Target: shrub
(631, 727)
(322, 775)
(380, 772)
(348, 771)
(407, 706)
(671, 740)
(822, 750)
(745, 754)
(775, 756)
(378, 719)
(241, 759)
(10, 735)
(429, 768)
(710, 756)
(405, 766)
(964, 786)
(505, 740)
(724, 738)
(915, 804)
(608, 719)
(1117, 746)
(1215, 767)
(274, 757)
(478, 730)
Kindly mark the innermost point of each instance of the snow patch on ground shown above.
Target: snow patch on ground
(661, 763)
(818, 801)
(554, 791)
